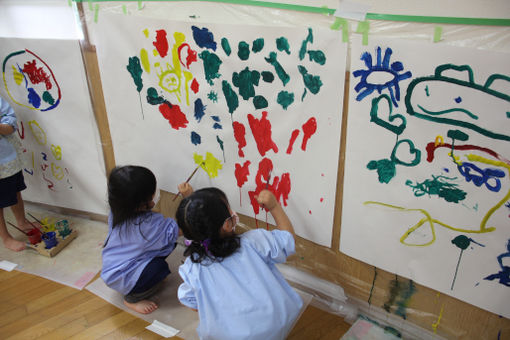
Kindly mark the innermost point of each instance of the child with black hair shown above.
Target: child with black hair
(139, 240)
(232, 279)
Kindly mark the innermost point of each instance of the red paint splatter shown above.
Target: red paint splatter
(239, 133)
(280, 187)
(194, 85)
(50, 183)
(309, 129)
(161, 43)
(36, 74)
(310, 212)
(261, 130)
(242, 172)
(174, 115)
(293, 137)
(190, 57)
(322, 199)
(322, 175)
(44, 167)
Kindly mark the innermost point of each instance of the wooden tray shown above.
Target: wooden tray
(62, 243)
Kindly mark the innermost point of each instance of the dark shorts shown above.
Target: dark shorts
(9, 187)
(147, 284)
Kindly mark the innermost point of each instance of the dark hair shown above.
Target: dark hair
(130, 187)
(200, 217)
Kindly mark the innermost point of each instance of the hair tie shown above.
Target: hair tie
(205, 243)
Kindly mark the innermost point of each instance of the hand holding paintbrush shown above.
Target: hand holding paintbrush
(184, 188)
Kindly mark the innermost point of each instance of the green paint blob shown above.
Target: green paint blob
(309, 39)
(285, 99)
(317, 56)
(462, 242)
(508, 114)
(230, 96)
(153, 97)
(211, 65)
(243, 51)
(282, 44)
(457, 135)
(47, 97)
(280, 72)
(258, 45)
(267, 76)
(427, 91)
(226, 46)
(259, 102)
(312, 83)
(439, 186)
(213, 96)
(385, 169)
(135, 69)
(245, 81)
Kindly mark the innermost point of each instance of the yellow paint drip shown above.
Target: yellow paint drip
(38, 132)
(18, 77)
(144, 57)
(146, 32)
(56, 150)
(155, 52)
(436, 324)
(57, 171)
(211, 164)
(187, 77)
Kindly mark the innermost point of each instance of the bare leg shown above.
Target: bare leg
(19, 212)
(9, 242)
(144, 306)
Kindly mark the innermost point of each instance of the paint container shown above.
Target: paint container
(50, 239)
(34, 236)
(63, 228)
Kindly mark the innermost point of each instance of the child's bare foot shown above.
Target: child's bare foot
(13, 244)
(144, 306)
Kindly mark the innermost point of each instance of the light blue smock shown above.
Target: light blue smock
(10, 146)
(127, 252)
(244, 296)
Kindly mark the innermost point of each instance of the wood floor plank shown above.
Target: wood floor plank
(59, 293)
(104, 327)
(12, 315)
(67, 331)
(126, 331)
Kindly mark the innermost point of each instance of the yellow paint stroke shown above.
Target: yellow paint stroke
(211, 164)
(170, 81)
(155, 52)
(33, 162)
(439, 140)
(10, 95)
(431, 221)
(18, 77)
(146, 32)
(156, 64)
(456, 159)
(56, 151)
(57, 171)
(144, 57)
(38, 132)
(187, 77)
(436, 324)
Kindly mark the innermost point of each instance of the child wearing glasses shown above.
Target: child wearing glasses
(139, 240)
(230, 279)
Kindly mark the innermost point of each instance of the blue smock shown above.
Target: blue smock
(244, 296)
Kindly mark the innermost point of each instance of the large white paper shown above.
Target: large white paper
(44, 81)
(427, 190)
(191, 121)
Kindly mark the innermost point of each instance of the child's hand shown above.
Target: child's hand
(185, 189)
(266, 199)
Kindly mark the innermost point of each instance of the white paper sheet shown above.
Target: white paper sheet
(44, 81)
(410, 205)
(303, 175)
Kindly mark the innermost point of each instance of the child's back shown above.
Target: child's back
(243, 295)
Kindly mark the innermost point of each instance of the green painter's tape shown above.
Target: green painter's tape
(363, 28)
(438, 31)
(340, 22)
(371, 16)
(96, 12)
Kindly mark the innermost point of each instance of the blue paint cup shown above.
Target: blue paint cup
(50, 239)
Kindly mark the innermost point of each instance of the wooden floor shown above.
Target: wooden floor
(32, 307)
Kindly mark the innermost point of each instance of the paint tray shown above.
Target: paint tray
(62, 243)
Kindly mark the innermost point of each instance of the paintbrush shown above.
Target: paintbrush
(189, 178)
(33, 225)
(17, 228)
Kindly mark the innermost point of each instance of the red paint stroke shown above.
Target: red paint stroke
(50, 183)
(44, 167)
(22, 133)
(293, 137)
(161, 43)
(242, 172)
(194, 85)
(431, 148)
(309, 128)
(280, 187)
(174, 115)
(310, 212)
(322, 199)
(36, 74)
(190, 57)
(239, 133)
(261, 130)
